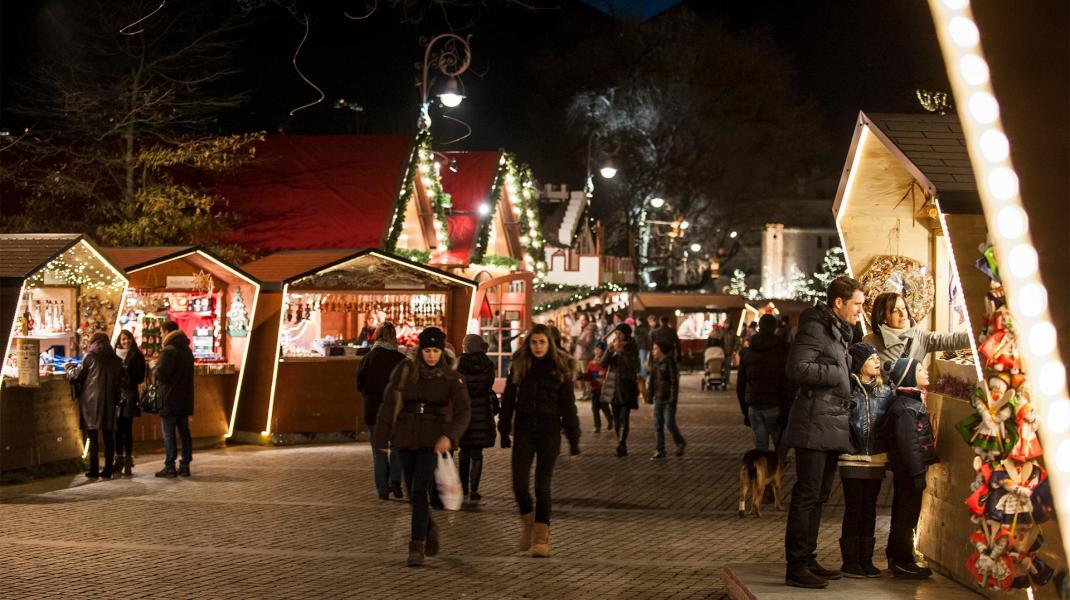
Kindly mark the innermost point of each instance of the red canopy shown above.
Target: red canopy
(312, 192)
(468, 187)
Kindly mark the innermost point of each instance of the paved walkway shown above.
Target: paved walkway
(304, 522)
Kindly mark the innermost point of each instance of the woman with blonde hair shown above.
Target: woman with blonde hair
(538, 403)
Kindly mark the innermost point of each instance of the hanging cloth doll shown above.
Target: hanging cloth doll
(986, 430)
(1028, 445)
(1012, 484)
(991, 566)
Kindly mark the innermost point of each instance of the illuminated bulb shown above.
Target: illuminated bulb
(684, 225)
(963, 32)
(733, 235)
(1051, 381)
(1011, 222)
(524, 240)
(994, 146)
(1042, 338)
(1003, 183)
(484, 209)
(1023, 260)
(696, 247)
(1062, 456)
(974, 69)
(657, 202)
(983, 108)
(608, 172)
(1032, 299)
(955, 4)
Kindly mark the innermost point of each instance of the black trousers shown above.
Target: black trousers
(598, 409)
(94, 449)
(542, 449)
(124, 436)
(860, 507)
(622, 423)
(906, 507)
(471, 468)
(815, 472)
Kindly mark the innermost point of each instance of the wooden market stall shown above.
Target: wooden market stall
(213, 303)
(315, 318)
(910, 219)
(693, 316)
(56, 291)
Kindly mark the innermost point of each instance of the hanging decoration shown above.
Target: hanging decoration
(903, 275)
(581, 293)
(237, 316)
(517, 181)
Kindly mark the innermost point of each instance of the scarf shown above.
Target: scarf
(427, 372)
(167, 338)
(122, 352)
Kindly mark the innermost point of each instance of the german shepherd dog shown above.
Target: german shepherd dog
(760, 468)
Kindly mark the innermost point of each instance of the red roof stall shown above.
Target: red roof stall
(316, 318)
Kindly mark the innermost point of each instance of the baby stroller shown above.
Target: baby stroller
(714, 377)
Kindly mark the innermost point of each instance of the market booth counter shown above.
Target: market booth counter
(316, 318)
(56, 291)
(212, 302)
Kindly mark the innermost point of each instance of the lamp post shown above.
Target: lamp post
(452, 60)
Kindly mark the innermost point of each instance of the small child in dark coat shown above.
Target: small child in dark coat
(663, 389)
(912, 449)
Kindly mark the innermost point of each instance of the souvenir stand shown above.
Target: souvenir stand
(56, 291)
(316, 317)
(213, 303)
(910, 219)
(693, 315)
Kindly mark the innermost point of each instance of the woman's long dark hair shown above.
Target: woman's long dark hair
(134, 349)
(881, 304)
(524, 357)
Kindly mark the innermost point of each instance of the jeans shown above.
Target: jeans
(621, 423)
(543, 450)
(765, 424)
(419, 467)
(665, 416)
(387, 470)
(94, 449)
(815, 472)
(906, 507)
(124, 436)
(644, 356)
(471, 468)
(860, 507)
(597, 409)
(170, 423)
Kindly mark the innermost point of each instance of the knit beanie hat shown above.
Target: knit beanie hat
(859, 354)
(903, 372)
(432, 337)
(665, 346)
(473, 343)
(624, 328)
(600, 345)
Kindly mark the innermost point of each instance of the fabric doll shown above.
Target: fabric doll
(992, 568)
(1028, 445)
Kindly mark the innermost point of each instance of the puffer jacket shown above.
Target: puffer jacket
(762, 381)
(478, 373)
(540, 405)
(422, 404)
(663, 383)
(100, 379)
(624, 369)
(869, 407)
(820, 415)
(910, 434)
(922, 342)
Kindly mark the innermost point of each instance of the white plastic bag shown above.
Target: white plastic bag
(448, 483)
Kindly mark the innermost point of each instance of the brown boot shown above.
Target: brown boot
(540, 547)
(416, 554)
(526, 521)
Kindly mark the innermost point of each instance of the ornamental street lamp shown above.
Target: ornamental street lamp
(451, 60)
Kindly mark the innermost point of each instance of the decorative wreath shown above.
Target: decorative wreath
(903, 275)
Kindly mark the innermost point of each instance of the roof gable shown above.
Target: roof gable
(933, 143)
(23, 253)
(127, 257)
(468, 180)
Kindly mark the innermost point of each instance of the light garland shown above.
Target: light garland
(78, 268)
(581, 293)
(421, 162)
(519, 183)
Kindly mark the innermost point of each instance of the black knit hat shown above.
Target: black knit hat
(903, 372)
(432, 337)
(624, 328)
(859, 354)
(665, 346)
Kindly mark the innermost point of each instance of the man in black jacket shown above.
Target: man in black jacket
(666, 334)
(818, 424)
(762, 386)
(372, 377)
(174, 389)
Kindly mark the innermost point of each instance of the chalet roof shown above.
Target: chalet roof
(127, 257)
(23, 253)
(468, 180)
(282, 266)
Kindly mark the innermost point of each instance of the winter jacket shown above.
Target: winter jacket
(890, 347)
(174, 376)
(642, 337)
(133, 376)
(478, 373)
(100, 379)
(594, 376)
(372, 377)
(540, 405)
(762, 381)
(585, 344)
(869, 405)
(664, 333)
(663, 383)
(817, 362)
(910, 434)
(420, 405)
(624, 369)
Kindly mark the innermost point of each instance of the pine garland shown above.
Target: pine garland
(422, 161)
(510, 175)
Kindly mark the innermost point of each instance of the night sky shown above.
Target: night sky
(847, 56)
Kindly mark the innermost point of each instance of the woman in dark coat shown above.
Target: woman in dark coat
(539, 394)
(99, 378)
(622, 360)
(478, 373)
(372, 378)
(424, 413)
(133, 375)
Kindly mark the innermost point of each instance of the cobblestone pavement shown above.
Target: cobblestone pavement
(304, 522)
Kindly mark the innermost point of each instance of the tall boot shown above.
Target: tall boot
(540, 547)
(431, 546)
(416, 554)
(849, 552)
(477, 474)
(128, 465)
(527, 520)
(865, 556)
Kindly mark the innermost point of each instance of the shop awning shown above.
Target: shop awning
(467, 178)
(311, 192)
